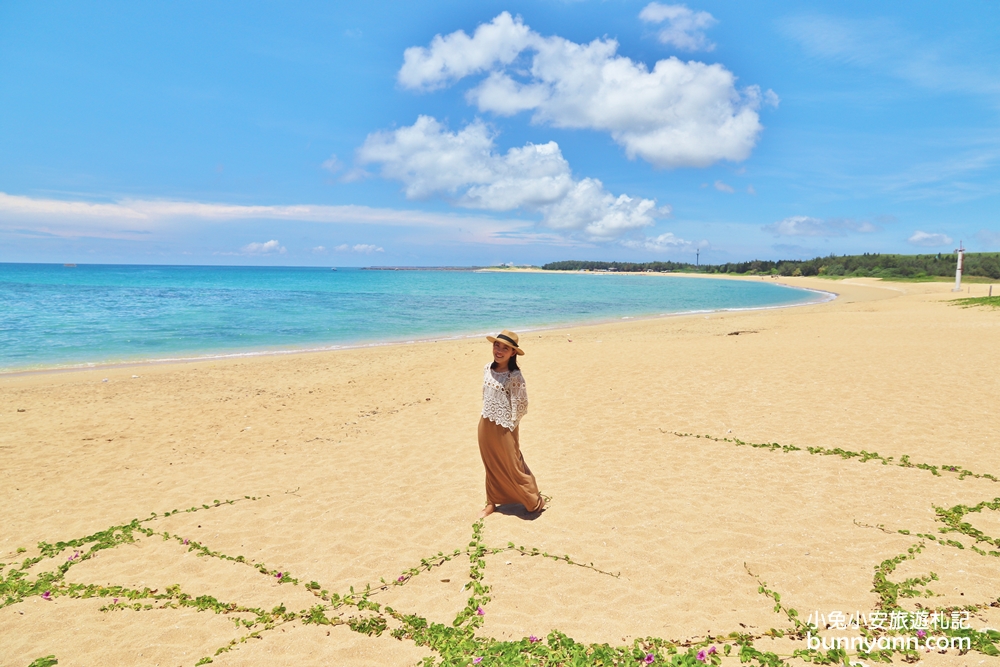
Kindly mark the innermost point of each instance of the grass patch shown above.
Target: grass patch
(991, 301)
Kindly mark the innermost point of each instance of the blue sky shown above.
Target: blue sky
(346, 134)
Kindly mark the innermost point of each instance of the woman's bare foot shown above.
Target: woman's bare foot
(488, 510)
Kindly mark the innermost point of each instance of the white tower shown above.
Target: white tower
(958, 269)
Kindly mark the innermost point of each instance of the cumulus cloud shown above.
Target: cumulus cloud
(804, 225)
(457, 55)
(722, 187)
(684, 27)
(677, 114)
(465, 166)
(266, 248)
(659, 243)
(363, 248)
(929, 240)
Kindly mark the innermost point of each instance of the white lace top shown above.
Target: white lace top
(505, 398)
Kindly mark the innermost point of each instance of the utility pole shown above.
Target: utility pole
(697, 257)
(958, 268)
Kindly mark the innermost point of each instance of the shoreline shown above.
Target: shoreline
(824, 297)
(353, 469)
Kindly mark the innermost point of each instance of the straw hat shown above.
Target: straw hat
(507, 338)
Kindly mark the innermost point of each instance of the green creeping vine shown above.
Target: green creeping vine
(890, 592)
(47, 661)
(457, 643)
(862, 456)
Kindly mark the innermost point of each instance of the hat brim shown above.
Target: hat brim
(493, 339)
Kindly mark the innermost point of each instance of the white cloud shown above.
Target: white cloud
(457, 55)
(266, 248)
(319, 250)
(363, 248)
(685, 28)
(677, 114)
(332, 164)
(463, 165)
(659, 243)
(722, 187)
(929, 240)
(751, 190)
(804, 225)
(139, 218)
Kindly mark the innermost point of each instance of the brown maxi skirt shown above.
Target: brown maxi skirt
(508, 478)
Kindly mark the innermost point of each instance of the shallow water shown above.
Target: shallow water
(55, 316)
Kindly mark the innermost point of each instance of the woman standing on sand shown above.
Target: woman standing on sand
(505, 401)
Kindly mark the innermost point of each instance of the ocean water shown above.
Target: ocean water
(53, 316)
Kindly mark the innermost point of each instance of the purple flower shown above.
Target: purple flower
(476, 661)
(279, 575)
(47, 595)
(649, 659)
(712, 651)
(533, 639)
(921, 634)
(480, 611)
(185, 540)
(401, 578)
(701, 656)
(115, 601)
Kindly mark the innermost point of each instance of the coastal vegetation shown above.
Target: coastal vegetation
(991, 301)
(458, 642)
(869, 265)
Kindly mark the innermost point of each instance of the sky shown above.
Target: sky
(459, 134)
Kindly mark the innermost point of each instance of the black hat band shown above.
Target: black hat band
(508, 339)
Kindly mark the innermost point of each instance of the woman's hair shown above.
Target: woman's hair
(511, 364)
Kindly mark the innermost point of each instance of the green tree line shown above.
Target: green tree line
(874, 265)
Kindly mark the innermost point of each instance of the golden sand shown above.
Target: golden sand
(365, 461)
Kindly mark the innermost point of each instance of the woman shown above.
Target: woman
(505, 401)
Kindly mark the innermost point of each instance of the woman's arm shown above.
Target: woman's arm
(518, 397)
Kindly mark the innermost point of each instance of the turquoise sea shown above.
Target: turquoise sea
(53, 316)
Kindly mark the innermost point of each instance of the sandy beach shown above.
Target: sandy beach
(359, 463)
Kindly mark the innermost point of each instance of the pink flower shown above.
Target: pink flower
(279, 575)
(47, 595)
(533, 639)
(401, 578)
(185, 540)
(480, 611)
(712, 651)
(921, 634)
(115, 601)
(476, 661)
(649, 659)
(701, 656)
